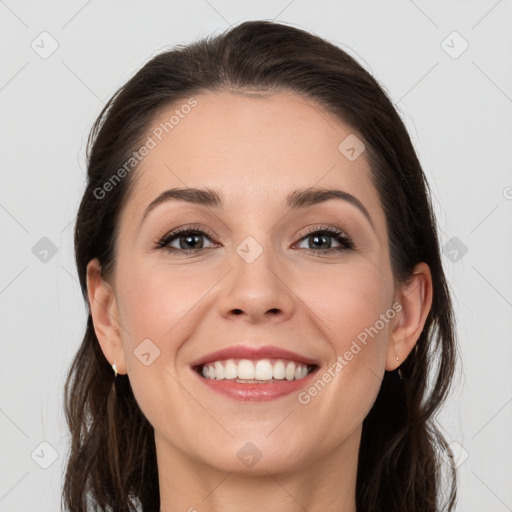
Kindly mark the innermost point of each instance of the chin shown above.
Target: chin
(258, 456)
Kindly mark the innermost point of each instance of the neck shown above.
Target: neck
(190, 485)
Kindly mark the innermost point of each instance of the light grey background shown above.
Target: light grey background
(458, 110)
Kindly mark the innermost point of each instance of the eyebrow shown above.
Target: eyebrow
(301, 198)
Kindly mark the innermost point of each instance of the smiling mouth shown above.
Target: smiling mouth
(261, 371)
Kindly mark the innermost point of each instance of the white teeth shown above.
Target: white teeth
(219, 370)
(290, 371)
(245, 369)
(261, 370)
(230, 370)
(278, 370)
(300, 371)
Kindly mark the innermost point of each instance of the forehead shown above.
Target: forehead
(251, 147)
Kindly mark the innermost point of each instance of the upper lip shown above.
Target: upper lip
(246, 352)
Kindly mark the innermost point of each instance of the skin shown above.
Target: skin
(255, 150)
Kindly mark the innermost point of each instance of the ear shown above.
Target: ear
(415, 298)
(105, 316)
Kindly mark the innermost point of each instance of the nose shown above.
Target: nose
(257, 289)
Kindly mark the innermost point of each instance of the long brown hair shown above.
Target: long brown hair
(112, 460)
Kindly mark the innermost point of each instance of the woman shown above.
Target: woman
(269, 325)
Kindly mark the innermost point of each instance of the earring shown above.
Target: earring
(114, 367)
(399, 372)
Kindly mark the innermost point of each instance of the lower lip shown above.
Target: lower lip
(256, 392)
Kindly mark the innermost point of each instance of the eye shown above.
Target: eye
(188, 239)
(319, 240)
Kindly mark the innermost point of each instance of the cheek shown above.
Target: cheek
(355, 315)
(158, 311)
(157, 308)
(348, 302)
(154, 300)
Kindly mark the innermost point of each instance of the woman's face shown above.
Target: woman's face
(257, 278)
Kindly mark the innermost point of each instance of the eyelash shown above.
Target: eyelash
(345, 241)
